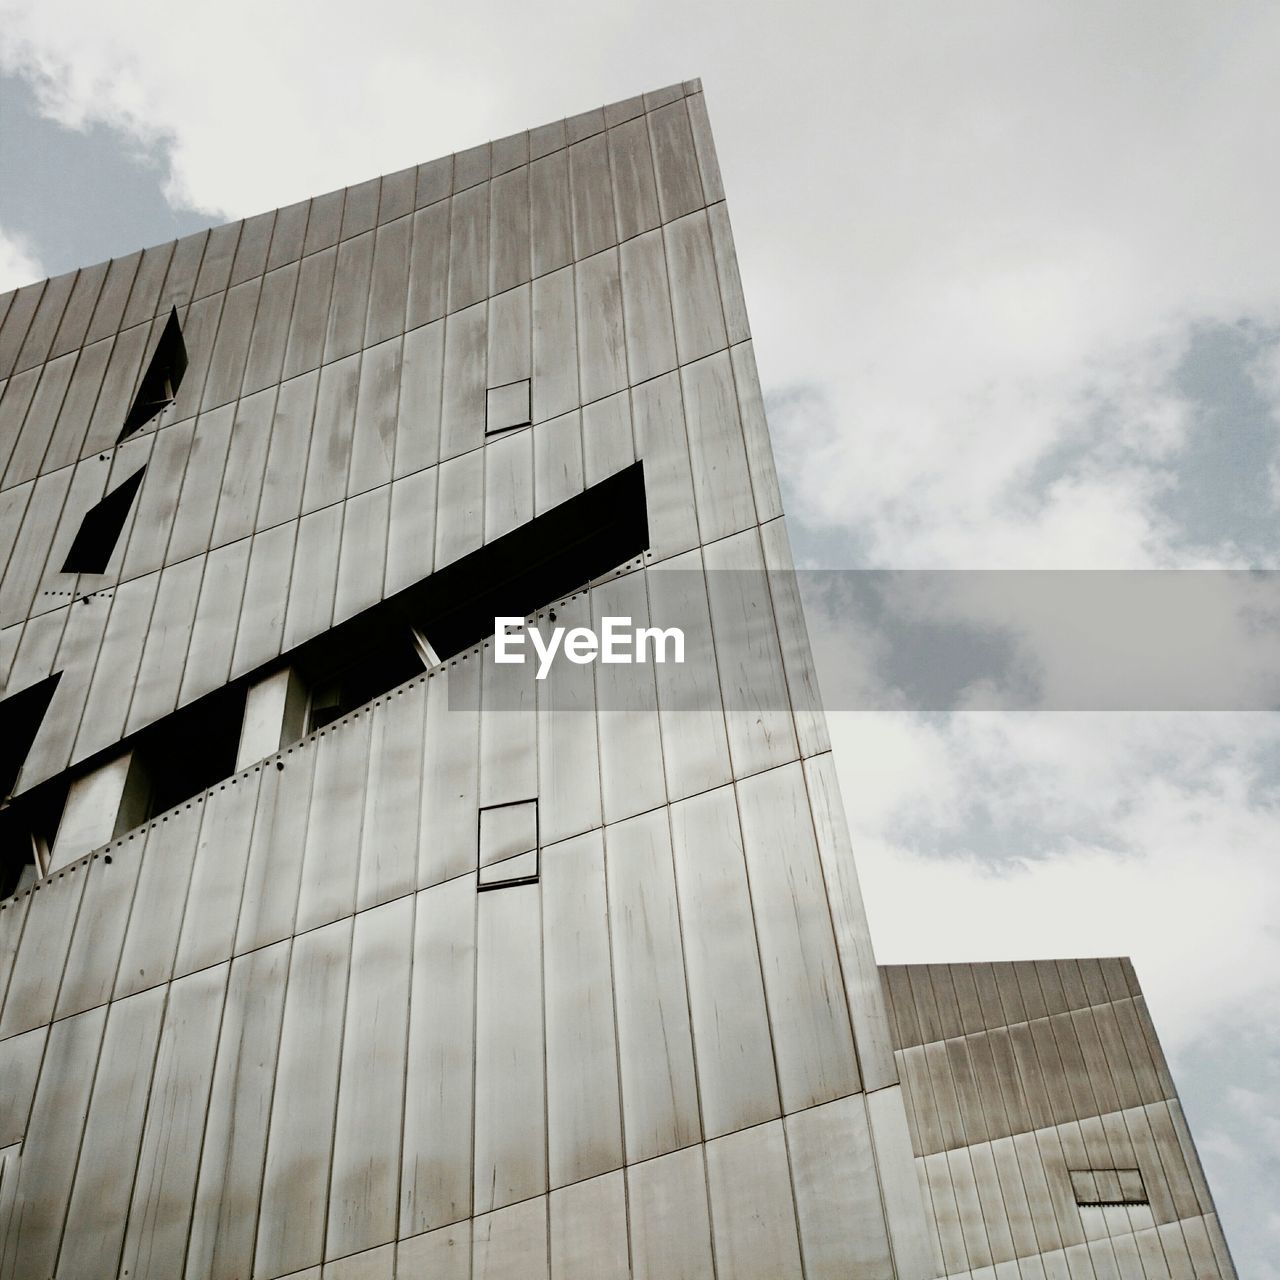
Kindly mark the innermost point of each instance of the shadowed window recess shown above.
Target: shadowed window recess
(195, 747)
(27, 836)
(100, 529)
(552, 556)
(162, 379)
(21, 715)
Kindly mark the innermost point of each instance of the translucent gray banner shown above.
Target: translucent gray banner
(939, 641)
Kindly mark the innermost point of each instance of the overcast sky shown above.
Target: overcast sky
(1014, 277)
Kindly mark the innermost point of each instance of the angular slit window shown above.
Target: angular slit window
(21, 715)
(553, 555)
(162, 379)
(508, 845)
(100, 529)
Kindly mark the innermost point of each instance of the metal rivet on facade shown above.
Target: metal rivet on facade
(106, 857)
(280, 764)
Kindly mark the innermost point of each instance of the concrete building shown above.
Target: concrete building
(330, 945)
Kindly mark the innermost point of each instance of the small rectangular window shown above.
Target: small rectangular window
(508, 844)
(1103, 1187)
(507, 406)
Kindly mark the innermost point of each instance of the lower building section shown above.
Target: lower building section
(1047, 1132)
(422, 982)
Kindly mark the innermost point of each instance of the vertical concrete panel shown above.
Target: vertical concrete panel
(333, 818)
(659, 1090)
(732, 1041)
(421, 390)
(583, 1108)
(842, 1228)
(159, 901)
(510, 1089)
(366, 1156)
(511, 1244)
(435, 1180)
(752, 1211)
(229, 1183)
(670, 1227)
(112, 1134)
(291, 1220)
(389, 839)
(448, 825)
(46, 1170)
(155, 1242)
(217, 876)
(42, 952)
(589, 1230)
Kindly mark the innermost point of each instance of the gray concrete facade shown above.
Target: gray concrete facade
(1048, 1136)
(331, 953)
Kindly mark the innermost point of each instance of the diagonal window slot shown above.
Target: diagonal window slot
(364, 657)
(553, 555)
(100, 529)
(21, 715)
(162, 379)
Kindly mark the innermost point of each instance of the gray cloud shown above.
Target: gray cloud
(84, 195)
(992, 247)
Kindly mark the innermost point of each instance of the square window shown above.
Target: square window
(508, 844)
(507, 407)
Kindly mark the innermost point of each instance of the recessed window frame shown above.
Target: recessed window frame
(1108, 1188)
(508, 406)
(523, 864)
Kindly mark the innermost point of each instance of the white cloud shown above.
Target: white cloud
(1015, 835)
(977, 240)
(18, 262)
(980, 230)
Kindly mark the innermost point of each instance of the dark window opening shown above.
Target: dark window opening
(21, 715)
(552, 556)
(101, 527)
(338, 686)
(350, 665)
(191, 750)
(1105, 1188)
(26, 839)
(162, 379)
(26, 833)
(177, 758)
